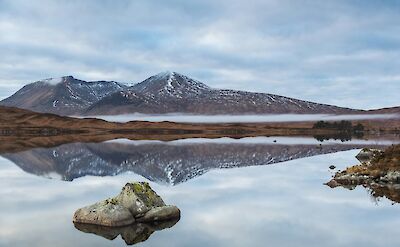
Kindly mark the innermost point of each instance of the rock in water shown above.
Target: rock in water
(105, 213)
(136, 202)
(139, 198)
(160, 214)
(367, 154)
(379, 172)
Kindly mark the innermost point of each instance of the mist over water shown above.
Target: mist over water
(187, 118)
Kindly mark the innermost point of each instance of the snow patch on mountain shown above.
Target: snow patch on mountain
(54, 81)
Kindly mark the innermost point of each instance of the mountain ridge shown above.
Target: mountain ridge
(172, 92)
(165, 92)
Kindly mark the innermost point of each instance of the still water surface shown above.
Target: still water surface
(273, 194)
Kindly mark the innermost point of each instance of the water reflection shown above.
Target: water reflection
(390, 191)
(132, 234)
(284, 204)
(342, 136)
(165, 162)
(378, 191)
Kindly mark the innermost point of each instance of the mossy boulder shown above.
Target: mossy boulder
(135, 202)
(106, 213)
(160, 214)
(139, 198)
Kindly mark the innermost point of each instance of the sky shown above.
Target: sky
(341, 52)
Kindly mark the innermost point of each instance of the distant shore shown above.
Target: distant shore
(25, 128)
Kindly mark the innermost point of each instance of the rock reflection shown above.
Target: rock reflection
(390, 191)
(132, 234)
(377, 191)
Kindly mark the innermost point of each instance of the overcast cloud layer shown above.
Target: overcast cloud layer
(338, 52)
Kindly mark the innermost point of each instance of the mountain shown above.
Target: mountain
(63, 96)
(388, 110)
(171, 92)
(166, 92)
(162, 162)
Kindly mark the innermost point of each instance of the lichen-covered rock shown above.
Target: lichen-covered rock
(136, 201)
(105, 213)
(139, 198)
(161, 214)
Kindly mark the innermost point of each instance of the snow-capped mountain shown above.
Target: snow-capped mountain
(161, 162)
(171, 92)
(166, 92)
(63, 96)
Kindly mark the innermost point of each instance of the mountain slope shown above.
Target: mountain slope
(64, 96)
(171, 92)
(387, 110)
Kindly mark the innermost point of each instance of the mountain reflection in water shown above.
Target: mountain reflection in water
(235, 207)
(164, 162)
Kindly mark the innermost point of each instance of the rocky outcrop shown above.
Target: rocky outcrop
(136, 202)
(379, 172)
(376, 167)
(368, 154)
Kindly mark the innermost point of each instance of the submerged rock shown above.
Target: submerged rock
(136, 202)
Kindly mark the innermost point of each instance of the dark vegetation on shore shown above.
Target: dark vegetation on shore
(343, 126)
(344, 130)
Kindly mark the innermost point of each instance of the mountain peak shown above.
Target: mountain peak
(63, 95)
(165, 74)
(171, 83)
(53, 81)
(58, 80)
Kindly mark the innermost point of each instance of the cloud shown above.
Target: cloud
(324, 52)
